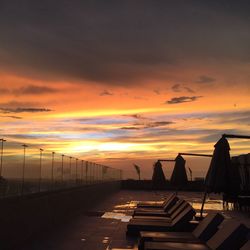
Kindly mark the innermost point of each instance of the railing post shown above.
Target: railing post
(1, 161)
(70, 174)
(24, 154)
(52, 169)
(90, 171)
(82, 172)
(121, 175)
(99, 173)
(103, 170)
(62, 169)
(76, 170)
(40, 169)
(86, 172)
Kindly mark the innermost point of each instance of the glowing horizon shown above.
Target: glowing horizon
(145, 86)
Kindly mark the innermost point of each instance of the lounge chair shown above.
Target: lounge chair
(179, 223)
(231, 236)
(160, 212)
(155, 204)
(203, 232)
(163, 216)
(169, 204)
(246, 246)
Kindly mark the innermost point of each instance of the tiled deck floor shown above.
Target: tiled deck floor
(93, 232)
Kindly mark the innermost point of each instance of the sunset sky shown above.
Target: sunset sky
(123, 82)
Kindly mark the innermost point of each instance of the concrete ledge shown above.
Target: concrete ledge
(22, 217)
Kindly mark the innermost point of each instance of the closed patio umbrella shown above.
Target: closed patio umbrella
(222, 175)
(179, 175)
(158, 178)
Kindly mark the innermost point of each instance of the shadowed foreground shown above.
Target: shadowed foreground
(104, 226)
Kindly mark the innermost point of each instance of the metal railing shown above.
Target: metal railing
(26, 169)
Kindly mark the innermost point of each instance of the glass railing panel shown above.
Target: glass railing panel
(27, 169)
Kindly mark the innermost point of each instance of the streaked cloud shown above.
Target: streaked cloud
(105, 92)
(136, 116)
(23, 110)
(182, 99)
(205, 79)
(157, 91)
(21, 107)
(176, 87)
(189, 89)
(11, 116)
(147, 124)
(181, 88)
(130, 128)
(15, 104)
(34, 90)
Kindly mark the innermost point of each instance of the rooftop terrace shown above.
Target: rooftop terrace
(103, 227)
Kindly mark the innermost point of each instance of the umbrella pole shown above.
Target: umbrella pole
(203, 203)
(176, 190)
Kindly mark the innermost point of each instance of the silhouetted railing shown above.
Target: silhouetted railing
(25, 169)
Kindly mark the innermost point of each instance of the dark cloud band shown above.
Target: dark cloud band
(23, 110)
(119, 42)
(34, 90)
